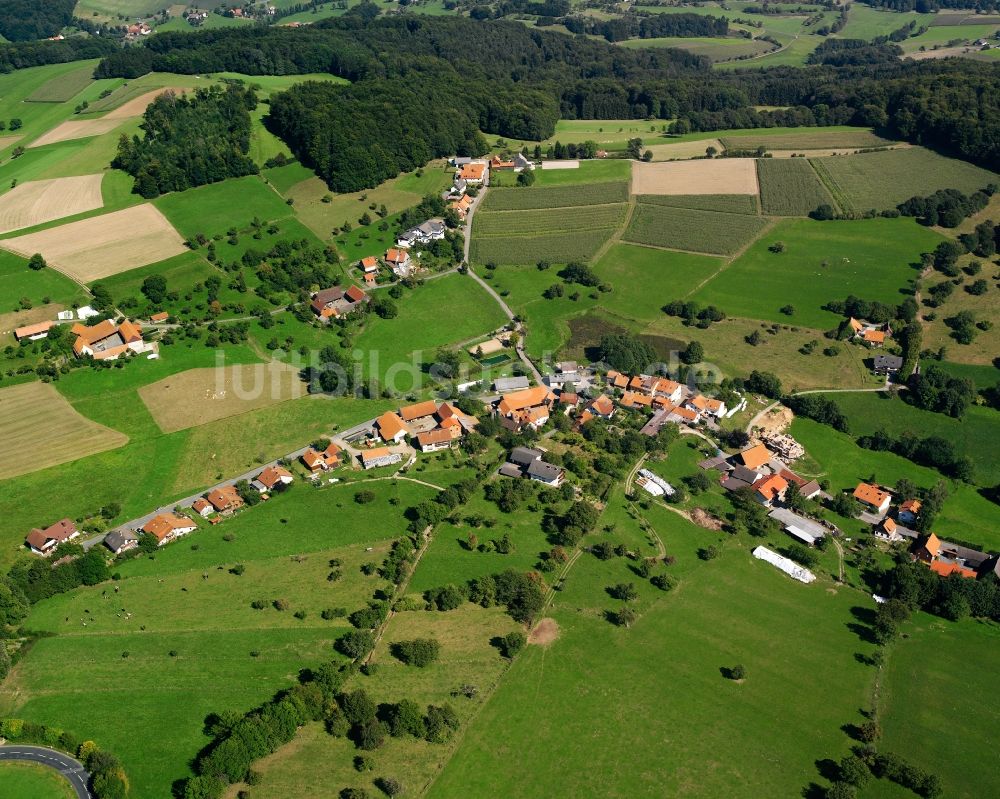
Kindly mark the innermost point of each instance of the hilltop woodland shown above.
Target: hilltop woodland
(217, 119)
(24, 20)
(516, 82)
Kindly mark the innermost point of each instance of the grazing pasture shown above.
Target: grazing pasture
(198, 396)
(553, 247)
(104, 245)
(786, 634)
(17, 280)
(519, 199)
(882, 180)
(706, 176)
(40, 428)
(821, 261)
(38, 201)
(926, 697)
(683, 149)
(697, 231)
(727, 203)
(76, 129)
(63, 88)
(871, 412)
(588, 172)
(548, 220)
(214, 208)
(805, 139)
(716, 49)
(790, 187)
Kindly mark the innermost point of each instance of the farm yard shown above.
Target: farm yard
(41, 429)
(882, 180)
(39, 201)
(198, 396)
(104, 245)
(696, 231)
(790, 187)
(722, 176)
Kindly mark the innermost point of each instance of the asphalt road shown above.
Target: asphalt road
(71, 769)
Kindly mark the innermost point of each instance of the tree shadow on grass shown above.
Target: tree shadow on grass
(863, 626)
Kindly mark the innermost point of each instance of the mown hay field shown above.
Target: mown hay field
(790, 187)
(576, 245)
(76, 129)
(552, 220)
(64, 87)
(696, 231)
(520, 199)
(727, 203)
(39, 201)
(808, 139)
(704, 176)
(198, 396)
(882, 180)
(104, 245)
(40, 428)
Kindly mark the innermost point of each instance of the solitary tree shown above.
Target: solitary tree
(37, 262)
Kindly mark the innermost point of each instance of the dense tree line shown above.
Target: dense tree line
(24, 20)
(22, 55)
(819, 408)
(522, 594)
(853, 52)
(946, 207)
(933, 451)
(649, 26)
(919, 588)
(586, 78)
(190, 141)
(930, 6)
(933, 389)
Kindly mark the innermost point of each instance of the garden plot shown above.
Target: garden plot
(721, 176)
(40, 428)
(41, 201)
(104, 245)
(198, 396)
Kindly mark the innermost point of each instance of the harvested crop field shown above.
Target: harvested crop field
(198, 396)
(808, 139)
(104, 245)
(695, 231)
(683, 149)
(727, 203)
(882, 180)
(522, 199)
(790, 187)
(41, 201)
(40, 428)
(137, 105)
(76, 129)
(705, 176)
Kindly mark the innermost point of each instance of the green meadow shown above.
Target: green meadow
(821, 261)
(35, 781)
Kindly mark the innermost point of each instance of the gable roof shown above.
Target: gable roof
(771, 487)
(370, 262)
(472, 172)
(932, 545)
(875, 336)
(912, 506)
(527, 398)
(354, 294)
(686, 413)
(311, 458)
(273, 475)
(395, 255)
(438, 435)
(856, 326)
(369, 455)
(165, 523)
(871, 495)
(200, 504)
(888, 525)
(224, 497)
(603, 405)
(544, 471)
(58, 532)
(33, 330)
(522, 456)
(411, 412)
(390, 425)
(756, 456)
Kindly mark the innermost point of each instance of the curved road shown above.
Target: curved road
(70, 768)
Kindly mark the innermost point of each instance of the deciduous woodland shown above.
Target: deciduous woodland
(950, 105)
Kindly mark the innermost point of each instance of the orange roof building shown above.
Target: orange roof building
(391, 427)
(873, 497)
(271, 477)
(461, 206)
(33, 332)
(106, 341)
(167, 526)
(369, 264)
(44, 541)
(756, 456)
(771, 488)
(602, 406)
(162, 316)
(472, 173)
(874, 337)
(631, 399)
(410, 412)
(438, 438)
(686, 414)
(226, 498)
(527, 398)
(397, 256)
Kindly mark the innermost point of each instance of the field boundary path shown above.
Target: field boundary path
(69, 767)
